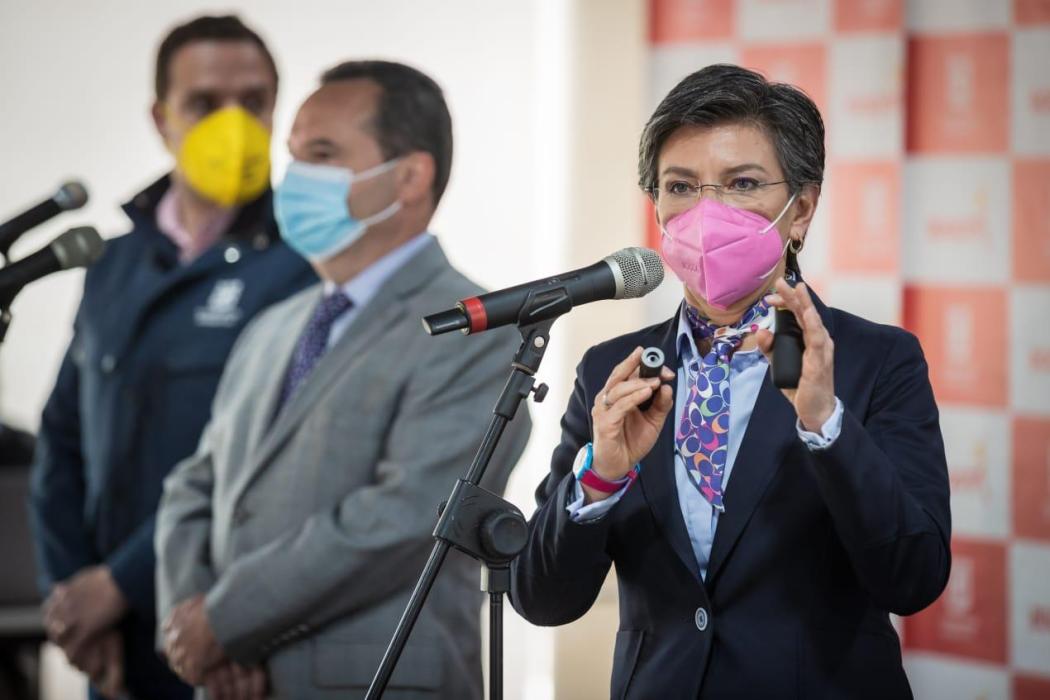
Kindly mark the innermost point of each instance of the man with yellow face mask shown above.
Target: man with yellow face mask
(160, 313)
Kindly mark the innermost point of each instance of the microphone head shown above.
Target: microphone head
(71, 195)
(638, 271)
(77, 247)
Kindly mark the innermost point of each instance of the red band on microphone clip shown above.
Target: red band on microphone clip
(479, 320)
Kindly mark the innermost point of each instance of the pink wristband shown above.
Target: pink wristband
(588, 477)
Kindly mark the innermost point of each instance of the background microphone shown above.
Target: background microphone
(71, 195)
(626, 274)
(77, 247)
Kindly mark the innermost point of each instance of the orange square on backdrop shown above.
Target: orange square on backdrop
(868, 15)
(958, 93)
(969, 619)
(959, 328)
(1031, 688)
(1031, 478)
(652, 229)
(1027, 12)
(689, 20)
(802, 65)
(865, 216)
(1031, 220)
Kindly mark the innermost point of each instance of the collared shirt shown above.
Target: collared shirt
(190, 247)
(747, 371)
(364, 286)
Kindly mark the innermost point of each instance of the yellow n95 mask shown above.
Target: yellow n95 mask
(225, 157)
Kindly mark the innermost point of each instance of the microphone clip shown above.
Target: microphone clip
(543, 304)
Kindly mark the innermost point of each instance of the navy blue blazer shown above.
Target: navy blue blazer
(813, 552)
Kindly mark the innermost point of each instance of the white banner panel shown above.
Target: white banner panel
(957, 220)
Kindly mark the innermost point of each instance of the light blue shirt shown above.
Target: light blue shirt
(747, 371)
(364, 286)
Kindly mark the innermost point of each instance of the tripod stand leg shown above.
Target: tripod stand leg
(408, 619)
(495, 646)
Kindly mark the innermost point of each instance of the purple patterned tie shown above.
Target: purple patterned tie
(702, 438)
(313, 342)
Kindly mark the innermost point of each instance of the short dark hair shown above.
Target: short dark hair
(726, 94)
(206, 28)
(411, 114)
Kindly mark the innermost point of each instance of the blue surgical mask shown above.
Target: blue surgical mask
(313, 214)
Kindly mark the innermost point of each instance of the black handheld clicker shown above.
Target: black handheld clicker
(652, 363)
(787, 349)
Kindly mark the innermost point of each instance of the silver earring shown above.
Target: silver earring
(795, 245)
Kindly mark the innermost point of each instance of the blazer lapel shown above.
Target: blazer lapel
(769, 434)
(366, 329)
(657, 477)
(283, 346)
(385, 311)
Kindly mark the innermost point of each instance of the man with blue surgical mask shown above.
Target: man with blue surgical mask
(292, 538)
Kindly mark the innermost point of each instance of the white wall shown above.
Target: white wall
(77, 85)
(544, 96)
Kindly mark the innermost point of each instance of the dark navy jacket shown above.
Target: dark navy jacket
(135, 388)
(813, 552)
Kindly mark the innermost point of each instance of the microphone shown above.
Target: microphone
(788, 346)
(71, 195)
(626, 274)
(77, 247)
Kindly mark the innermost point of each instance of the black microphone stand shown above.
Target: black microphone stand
(5, 314)
(476, 521)
(5, 302)
(5, 321)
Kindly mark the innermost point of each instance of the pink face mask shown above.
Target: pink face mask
(722, 253)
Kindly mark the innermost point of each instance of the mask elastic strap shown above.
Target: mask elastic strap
(376, 170)
(780, 215)
(381, 215)
(762, 277)
(786, 243)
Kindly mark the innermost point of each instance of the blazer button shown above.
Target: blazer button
(108, 363)
(701, 619)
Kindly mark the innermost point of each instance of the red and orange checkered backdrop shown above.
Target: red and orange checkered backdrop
(935, 215)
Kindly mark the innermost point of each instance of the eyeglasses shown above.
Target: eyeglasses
(739, 191)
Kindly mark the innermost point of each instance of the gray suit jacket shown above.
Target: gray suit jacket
(306, 531)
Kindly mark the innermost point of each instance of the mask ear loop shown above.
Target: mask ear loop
(780, 215)
(385, 213)
(381, 215)
(375, 170)
(786, 244)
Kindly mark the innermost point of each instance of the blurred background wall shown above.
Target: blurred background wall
(936, 215)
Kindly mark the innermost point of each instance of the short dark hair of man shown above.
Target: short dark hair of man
(206, 28)
(411, 115)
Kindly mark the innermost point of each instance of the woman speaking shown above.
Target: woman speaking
(761, 536)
